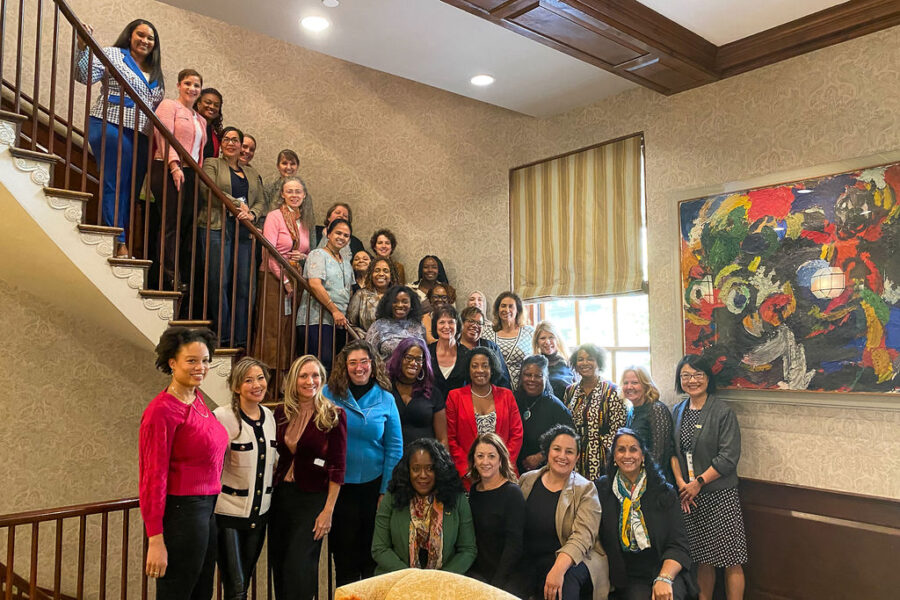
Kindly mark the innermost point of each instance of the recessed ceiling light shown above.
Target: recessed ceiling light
(482, 80)
(315, 23)
(330, 3)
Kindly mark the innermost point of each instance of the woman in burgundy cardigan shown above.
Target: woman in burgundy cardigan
(182, 449)
(481, 407)
(312, 448)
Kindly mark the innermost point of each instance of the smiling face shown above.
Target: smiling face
(693, 381)
(477, 300)
(293, 194)
(381, 276)
(532, 378)
(507, 309)
(248, 150)
(480, 370)
(190, 365)
(632, 388)
(628, 456)
(339, 236)
(210, 106)
(472, 328)
(585, 365)
(309, 381)
(439, 296)
(401, 306)
(412, 364)
(231, 145)
(253, 387)
(339, 212)
(142, 42)
(287, 166)
(359, 367)
(189, 90)
(383, 246)
(563, 455)
(421, 472)
(487, 461)
(430, 270)
(360, 262)
(547, 343)
(446, 328)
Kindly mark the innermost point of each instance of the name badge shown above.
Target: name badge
(689, 457)
(319, 462)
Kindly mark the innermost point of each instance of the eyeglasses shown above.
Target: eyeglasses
(694, 376)
(440, 297)
(419, 360)
(230, 141)
(352, 364)
(473, 322)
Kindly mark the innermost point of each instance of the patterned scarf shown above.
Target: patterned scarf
(632, 530)
(291, 219)
(426, 531)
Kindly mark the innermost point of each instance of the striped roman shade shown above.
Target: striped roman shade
(575, 223)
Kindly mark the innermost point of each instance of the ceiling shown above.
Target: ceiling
(434, 43)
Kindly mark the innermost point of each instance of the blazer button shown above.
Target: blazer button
(252, 525)
(259, 492)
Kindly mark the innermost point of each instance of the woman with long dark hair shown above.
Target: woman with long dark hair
(424, 521)
(642, 529)
(136, 56)
(419, 402)
(540, 410)
(431, 272)
(363, 310)
(383, 243)
(510, 333)
(242, 510)
(182, 451)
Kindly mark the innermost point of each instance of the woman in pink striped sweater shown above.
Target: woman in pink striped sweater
(182, 450)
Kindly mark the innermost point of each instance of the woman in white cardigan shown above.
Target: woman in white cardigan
(242, 507)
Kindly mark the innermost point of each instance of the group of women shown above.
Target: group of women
(479, 481)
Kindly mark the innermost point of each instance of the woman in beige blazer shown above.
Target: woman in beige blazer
(563, 554)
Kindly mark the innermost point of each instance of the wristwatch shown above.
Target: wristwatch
(701, 480)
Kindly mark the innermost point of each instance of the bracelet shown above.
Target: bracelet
(665, 579)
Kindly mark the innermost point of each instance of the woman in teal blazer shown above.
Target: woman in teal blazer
(424, 520)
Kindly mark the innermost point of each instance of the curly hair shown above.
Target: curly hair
(449, 289)
(236, 379)
(173, 338)
(326, 413)
(493, 361)
(651, 392)
(698, 363)
(385, 308)
(395, 365)
(506, 470)
(655, 478)
(592, 350)
(547, 326)
(367, 282)
(442, 274)
(520, 310)
(546, 439)
(447, 484)
(446, 310)
(386, 233)
(339, 380)
(216, 123)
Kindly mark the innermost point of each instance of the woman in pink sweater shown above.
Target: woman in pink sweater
(172, 183)
(285, 229)
(182, 450)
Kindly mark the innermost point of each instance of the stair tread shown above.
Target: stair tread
(33, 155)
(63, 193)
(159, 294)
(228, 351)
(104, 229)
(130, 262)
(189, 323)
(11, 116)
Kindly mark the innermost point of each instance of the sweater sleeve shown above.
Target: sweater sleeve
(382, 550)
(678, 545)
(156, 438)
(456, 451)
(661, 432)
(586, 525)
(81, 69)
(465, 540)
(271, 229)
(393, 440)
(514, 443)
(165, 112)
(726, 460)
(513, 534)
(336, 455)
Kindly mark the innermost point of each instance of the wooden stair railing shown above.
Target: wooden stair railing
(182, 272)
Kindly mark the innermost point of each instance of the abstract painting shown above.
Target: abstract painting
(797, 286)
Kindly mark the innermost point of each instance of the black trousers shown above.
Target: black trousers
(293, 553)
(189, 527)
(239, 549)
(353, 527)
(180, 229)
(641, 590)
(530, 581)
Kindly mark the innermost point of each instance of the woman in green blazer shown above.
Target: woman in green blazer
(424, 520)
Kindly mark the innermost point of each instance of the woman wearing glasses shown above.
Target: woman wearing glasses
(442, 294)
(419, 402)
(707, 442)
(474, 322)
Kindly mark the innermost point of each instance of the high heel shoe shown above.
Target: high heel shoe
(121, 250)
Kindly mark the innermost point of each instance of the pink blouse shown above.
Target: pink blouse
(276, 231)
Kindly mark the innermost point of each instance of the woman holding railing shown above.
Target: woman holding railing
(136, 57)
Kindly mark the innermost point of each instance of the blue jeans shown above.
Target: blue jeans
(109, 199)
(220, 282)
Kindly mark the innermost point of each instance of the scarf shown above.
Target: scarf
(426, 531)
(632, 530)
(291, 219)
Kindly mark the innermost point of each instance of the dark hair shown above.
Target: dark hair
(451, 292)
(554, 432)
(334, 206)
(216, 123)
(469, 311)
(446, 310)
(386, 233)
(288, 153)
(339, 379)
(441, 276)
(395, 365)
(493, 361)
(367, 282)
(385, 309)
(154, 60)
(655, 478)
(592, 350)
(228, 130)
(185, 73)
(544, 365)
(447, 484)
(698, 363)
(337, 222)
(173, 338)
(520, 309)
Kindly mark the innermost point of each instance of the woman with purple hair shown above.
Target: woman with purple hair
(421, 405)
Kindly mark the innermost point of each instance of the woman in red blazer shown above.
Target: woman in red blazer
(481, 408)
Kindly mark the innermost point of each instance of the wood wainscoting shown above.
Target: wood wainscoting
(808, 543)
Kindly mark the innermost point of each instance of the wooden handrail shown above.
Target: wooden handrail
(65, 512)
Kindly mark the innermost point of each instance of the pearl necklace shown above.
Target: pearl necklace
(490, 391)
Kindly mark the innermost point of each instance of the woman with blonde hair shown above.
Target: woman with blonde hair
(547, 342)
(312, 449)
(498, 511)
(650, 418)
(479, 300)
(242, 507)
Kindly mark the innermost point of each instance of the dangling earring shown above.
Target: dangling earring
(421, 375)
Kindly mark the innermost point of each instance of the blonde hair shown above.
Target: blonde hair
(326, 413)
(487, 304)
(651, 392)
(236, 380)
(506, 469)
(549, 328)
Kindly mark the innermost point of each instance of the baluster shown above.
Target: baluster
(37, 76)
(117, 217)
(10, 559)
(2, 37)
(251, 296)
(21, 31)
(264, 317)
(206, 265)
(125, 522)
(57, 559)
(234, 280)
(82, 522)
(134, 190)
(32, 581)
(220, 293)
(163, 219)
(192, 254)
(177, 234)
(144, 581)
(51, 137)
(104, 538)
(70, 112)
(87, 132)
(101, 162)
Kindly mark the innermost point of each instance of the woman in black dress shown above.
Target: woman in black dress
(547, 341)
(449, 359)
(420, 403)
(540, 410)
(649, 417)
(498, 512)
